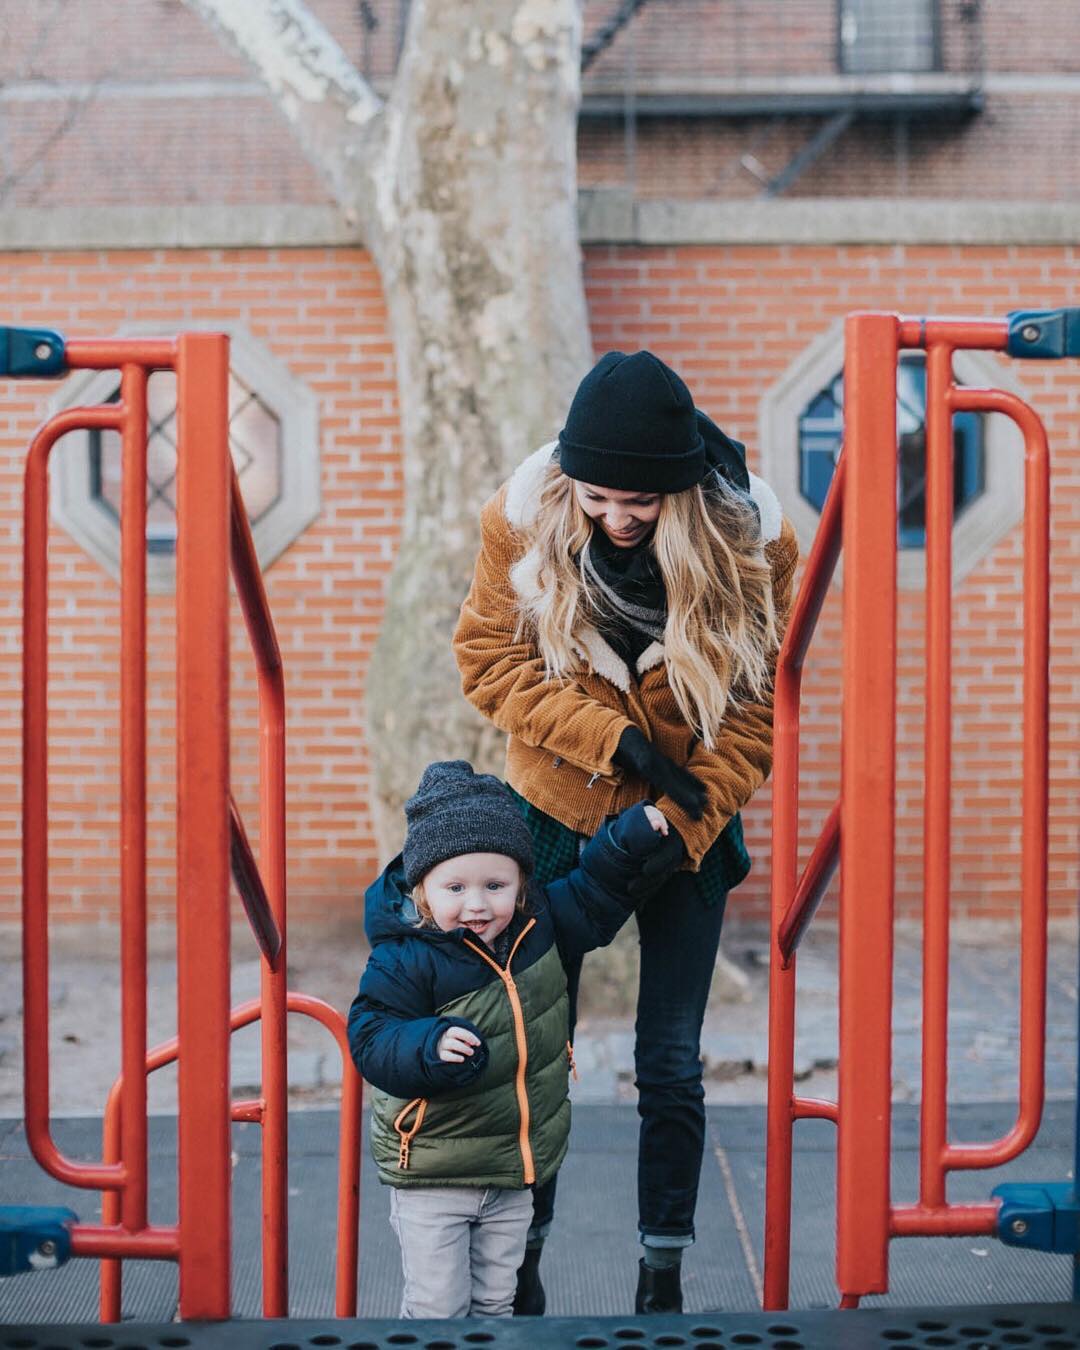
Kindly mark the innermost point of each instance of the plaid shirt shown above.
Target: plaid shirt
(556, 849)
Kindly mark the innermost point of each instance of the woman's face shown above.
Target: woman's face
(625, 517)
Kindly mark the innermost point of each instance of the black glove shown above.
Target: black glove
(636, 753)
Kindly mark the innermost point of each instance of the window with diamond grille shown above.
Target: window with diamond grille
(254, 442)
(821, 428)
(273, 439)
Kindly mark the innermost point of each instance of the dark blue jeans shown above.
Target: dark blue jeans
(679, 937)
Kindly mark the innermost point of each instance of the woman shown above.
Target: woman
(622, 627)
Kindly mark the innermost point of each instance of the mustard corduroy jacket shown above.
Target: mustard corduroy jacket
(563, 733)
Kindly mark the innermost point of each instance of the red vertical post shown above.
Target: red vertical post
(938, 772)
(868, 797)
(785, 858)
(35, 820)
(273, 988)
(780, 1118)
(275, 1140)
(202, 901)
(133, 795)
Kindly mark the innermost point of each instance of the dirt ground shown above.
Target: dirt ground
(326, 959)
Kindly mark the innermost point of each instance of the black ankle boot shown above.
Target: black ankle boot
(530, 1300)
(658, 1291)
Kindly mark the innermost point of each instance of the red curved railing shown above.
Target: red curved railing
(254, 1112)
(211, 841)
(860, 513)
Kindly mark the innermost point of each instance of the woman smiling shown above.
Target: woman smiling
(622, 627)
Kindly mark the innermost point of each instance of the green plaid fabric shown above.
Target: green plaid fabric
(556, 848)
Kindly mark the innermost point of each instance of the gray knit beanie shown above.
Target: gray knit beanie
(456, 811)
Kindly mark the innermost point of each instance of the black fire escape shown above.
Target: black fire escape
(894, 61)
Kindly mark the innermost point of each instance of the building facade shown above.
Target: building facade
(750, 175)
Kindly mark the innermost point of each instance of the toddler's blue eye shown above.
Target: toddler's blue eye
(496, 885)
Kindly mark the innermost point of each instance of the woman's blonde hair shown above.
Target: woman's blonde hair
(425, 918)
(721, 632)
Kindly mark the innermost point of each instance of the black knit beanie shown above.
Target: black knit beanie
(456, 811)
(631, 426)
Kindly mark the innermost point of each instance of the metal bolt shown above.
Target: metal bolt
(1030, 332)
(1019, 1227)
(43, 351)
(47, 1248)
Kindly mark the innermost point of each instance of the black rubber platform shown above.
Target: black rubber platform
(1043, 1326)
(590, 1262)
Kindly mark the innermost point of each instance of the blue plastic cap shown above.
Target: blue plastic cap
(1044, 334)
(31, 353)
(34, 1237)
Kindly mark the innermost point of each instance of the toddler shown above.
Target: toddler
(460, 1024)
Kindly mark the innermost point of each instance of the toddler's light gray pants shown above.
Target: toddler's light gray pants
(461, 1247)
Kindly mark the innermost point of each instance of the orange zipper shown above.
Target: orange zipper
(406, 1136)
(522, 1047)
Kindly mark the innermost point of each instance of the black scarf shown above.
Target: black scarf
(631, 603)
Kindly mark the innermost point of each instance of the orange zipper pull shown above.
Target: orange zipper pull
(405, 1136)
(570, 1057)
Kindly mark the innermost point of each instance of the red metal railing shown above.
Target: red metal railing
(860, 514)
(211, 842)
(255, 1111)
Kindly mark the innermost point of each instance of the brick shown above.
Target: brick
(744, 314)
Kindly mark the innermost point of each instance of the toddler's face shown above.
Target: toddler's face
(476, 891)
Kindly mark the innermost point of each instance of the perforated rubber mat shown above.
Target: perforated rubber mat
(590, 1264)
(1042, 1326)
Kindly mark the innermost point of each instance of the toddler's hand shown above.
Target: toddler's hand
(642, 830)
(457, 1044)
(657, 819)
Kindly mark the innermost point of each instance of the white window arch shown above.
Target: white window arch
(990, 505)
(273, 438)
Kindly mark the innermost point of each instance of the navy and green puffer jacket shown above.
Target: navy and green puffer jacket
(501, 1117)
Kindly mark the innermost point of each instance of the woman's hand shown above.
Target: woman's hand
(636, 753)
(457, 1044)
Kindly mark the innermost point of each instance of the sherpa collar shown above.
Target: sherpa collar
(521, 505)
(523, 495)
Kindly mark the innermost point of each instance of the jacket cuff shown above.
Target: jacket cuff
(631, 832)
(698, 836)
(611, 866)
(446, 1074)
(609, 743)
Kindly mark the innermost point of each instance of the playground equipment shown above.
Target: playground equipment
(212, 529)
(860, 517)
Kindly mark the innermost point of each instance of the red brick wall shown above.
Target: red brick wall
(322, 312)
(731, 320)
(85, 123)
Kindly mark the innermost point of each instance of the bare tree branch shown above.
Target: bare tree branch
(13, 175)
(328, 103)
(606, 34)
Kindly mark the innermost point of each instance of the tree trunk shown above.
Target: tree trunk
(475, 234)
(464, 185)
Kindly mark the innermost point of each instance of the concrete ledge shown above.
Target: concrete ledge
(606, 216)
(123, 227)
(615, 217)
